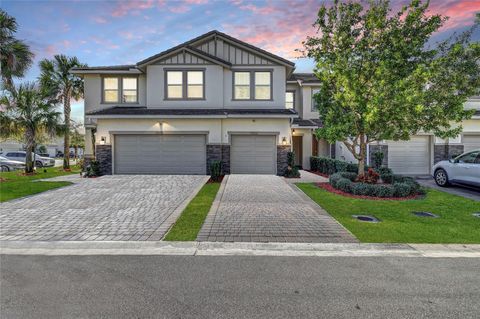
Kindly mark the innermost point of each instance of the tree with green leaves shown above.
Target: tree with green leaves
(15, 55)
(30, 112)
(77, 140)
(56, 77)
(381, 79)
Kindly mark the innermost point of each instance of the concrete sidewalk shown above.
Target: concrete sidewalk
(78, 248)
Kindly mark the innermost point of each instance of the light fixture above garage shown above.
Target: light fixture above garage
(103, 140)
(284, 140)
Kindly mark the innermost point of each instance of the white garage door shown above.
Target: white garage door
(159, 154)
(253, 154)
(410, 157)
(471, 142)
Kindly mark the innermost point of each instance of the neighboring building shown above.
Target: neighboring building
(52, 146)
(211, 98)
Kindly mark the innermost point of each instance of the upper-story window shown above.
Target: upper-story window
(314, 102)
(290, 99)
(112, 86)
(252, 85)
(185, 84)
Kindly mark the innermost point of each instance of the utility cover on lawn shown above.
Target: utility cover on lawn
(366, 218)
(425, 214)
(477, 214)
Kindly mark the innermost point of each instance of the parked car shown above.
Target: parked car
(462, 170)
(21, 156)
(44, 154)
(7, 165)
(59, 154)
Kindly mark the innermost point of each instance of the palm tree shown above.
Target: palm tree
(28, 111)
(56, 78)
(15, 55)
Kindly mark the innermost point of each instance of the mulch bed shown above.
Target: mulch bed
(319, 174)
(331, 189)
(210, 180)
(2, 179)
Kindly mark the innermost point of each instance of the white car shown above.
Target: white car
(21, 156)
(7, 165)
(462, 170)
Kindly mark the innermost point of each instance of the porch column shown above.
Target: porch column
(89, 154)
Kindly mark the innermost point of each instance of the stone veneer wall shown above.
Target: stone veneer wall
(282, 151)
(103, 154)
(332, 150)
(378, 148)
(446, 151)
(219, 152)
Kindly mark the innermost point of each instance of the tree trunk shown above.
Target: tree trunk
(66, 140)
(29, 160)
(75, 147)
(362, 156)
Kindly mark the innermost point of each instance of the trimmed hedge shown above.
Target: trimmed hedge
(330, 166)
(402, 186)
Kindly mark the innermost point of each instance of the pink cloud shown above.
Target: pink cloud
(460, 13)
(258, 10)
(125, 7)
(51, 50)
(129, 35)
(66, 44)
(196, 1)
(108, 44)
(182, 8)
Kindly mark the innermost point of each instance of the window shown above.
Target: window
(242, 85)
(110, 90)
(469, 158)
(262, 85)
(195, 84)
(174, 84)
(129, 90)
(290, 100)
(252, 85)
(314, 102)
(185, 84)
(112, 86)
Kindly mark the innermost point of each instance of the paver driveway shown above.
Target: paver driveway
(107, 208)
(264, 208)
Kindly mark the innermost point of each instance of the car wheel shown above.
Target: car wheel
(4, 168)
(38, 164)
(441, 177)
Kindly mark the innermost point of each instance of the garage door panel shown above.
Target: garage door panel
(253, 154)
(410, 157)
(471, 142)
(160, 154)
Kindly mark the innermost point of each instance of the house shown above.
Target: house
(211, 98)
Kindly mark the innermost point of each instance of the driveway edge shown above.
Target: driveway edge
(160, 248)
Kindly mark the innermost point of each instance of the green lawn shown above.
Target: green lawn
(398, 225)
(189, 223)
(17, 185)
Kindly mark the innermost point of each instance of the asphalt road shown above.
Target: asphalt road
(467, 192)
(238, 287)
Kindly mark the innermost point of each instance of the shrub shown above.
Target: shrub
(215, 171)
(344, 184)
(409, 180)
(292, 170)
(351, 167)
(93, 169)
(370, 178)
(314, 163)
(401, 190)
(384, 191)
(377, 159)
(362, 189)
(349, 175)
(340, 166)
(334, 178)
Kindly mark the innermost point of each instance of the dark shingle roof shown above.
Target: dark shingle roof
(304, 77)
(307, 123)
(124, 110)
(111, 67)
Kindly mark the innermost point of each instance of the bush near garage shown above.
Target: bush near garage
(328, 166)
(401, 186)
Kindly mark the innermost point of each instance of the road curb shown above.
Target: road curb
(83, 248)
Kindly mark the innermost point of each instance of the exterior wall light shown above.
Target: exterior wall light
(103, 140)
(284, 140)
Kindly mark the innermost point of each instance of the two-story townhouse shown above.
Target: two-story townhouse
(211, 98)
(218, 98)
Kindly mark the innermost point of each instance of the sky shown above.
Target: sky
(125, 32)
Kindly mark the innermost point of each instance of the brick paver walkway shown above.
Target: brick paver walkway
(107, 208)
(264, 208)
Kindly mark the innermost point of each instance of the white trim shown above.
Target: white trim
(189, 116)
(131, 71)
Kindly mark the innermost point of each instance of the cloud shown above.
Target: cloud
(125, 7)
(460, 13)
(100, 20)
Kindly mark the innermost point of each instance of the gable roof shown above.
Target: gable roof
(189, 44)
(303, 77)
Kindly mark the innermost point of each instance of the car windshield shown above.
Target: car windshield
(3, 158)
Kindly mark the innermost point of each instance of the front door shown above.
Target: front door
(297, 149)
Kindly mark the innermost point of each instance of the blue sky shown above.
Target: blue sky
(125, 32)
